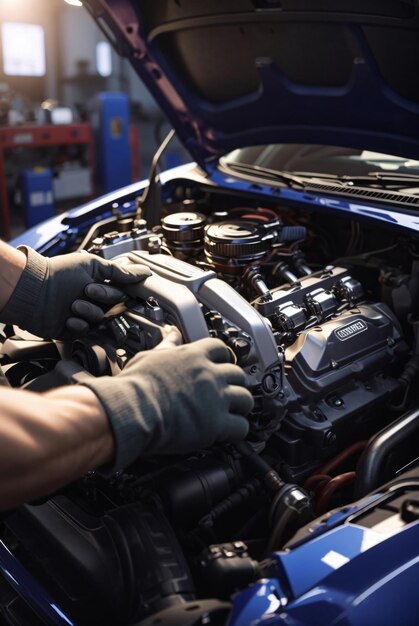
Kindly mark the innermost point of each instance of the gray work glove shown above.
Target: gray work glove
(174, 401)
(53, 297)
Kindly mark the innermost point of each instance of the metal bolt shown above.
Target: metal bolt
(330, 438)
(121, 357)
(154, 245)
(318, 415)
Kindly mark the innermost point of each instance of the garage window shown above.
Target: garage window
(23, 49)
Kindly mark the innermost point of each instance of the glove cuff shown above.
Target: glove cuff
(118, 401)
(21, 306)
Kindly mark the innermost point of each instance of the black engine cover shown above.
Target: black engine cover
(339, 377)
(355, 345)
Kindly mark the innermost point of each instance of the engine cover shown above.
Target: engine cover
(354, 345)
(340, 376)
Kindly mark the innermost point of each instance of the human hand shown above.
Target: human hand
(60, 296)
(175, 401)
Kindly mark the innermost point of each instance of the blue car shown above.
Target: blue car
(292, 236)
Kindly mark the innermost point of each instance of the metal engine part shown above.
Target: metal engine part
(321, 352)
(199, 287)
(184, 233)
(240, 240)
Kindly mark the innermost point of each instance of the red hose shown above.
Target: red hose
(316, 478)
(334, 463)
(342, 456)
(332, 486)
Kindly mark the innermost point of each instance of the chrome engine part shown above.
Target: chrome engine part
(215, 295)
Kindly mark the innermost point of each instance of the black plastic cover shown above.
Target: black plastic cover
(354, 345)
(108, 570)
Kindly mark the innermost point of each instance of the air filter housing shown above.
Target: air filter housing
(184, 232)
(241, 240)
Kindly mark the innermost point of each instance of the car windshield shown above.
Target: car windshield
(321, 160)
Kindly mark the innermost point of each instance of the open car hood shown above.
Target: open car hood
(233, 73)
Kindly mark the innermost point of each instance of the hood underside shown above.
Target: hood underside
(233, 73)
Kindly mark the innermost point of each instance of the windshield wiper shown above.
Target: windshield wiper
(264, 172)
(303, 179)
(384, 179)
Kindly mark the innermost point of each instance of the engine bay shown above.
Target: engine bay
(321, 314)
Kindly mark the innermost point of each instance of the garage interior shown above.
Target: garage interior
(75, 121)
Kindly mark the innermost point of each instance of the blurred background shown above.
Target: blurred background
(75, 120)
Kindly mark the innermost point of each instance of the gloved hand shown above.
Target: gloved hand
(52, 296)
(175, 401)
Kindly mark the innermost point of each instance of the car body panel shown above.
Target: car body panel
(59, 233)
(238, 73)
(344, 575)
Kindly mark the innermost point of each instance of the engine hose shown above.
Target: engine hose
(332, 486)
(411, 368)
(277, 538)
(410, 371)
(324, 471)
(234, 500)
(290, 505)
(371, 462)
(406, 379)
(292, 233)
(316, 478)
(268, 476)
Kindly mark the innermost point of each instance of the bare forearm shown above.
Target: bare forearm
(48, 440)
(12, 264)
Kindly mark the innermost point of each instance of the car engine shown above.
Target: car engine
(329, 364)
(317, 353)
